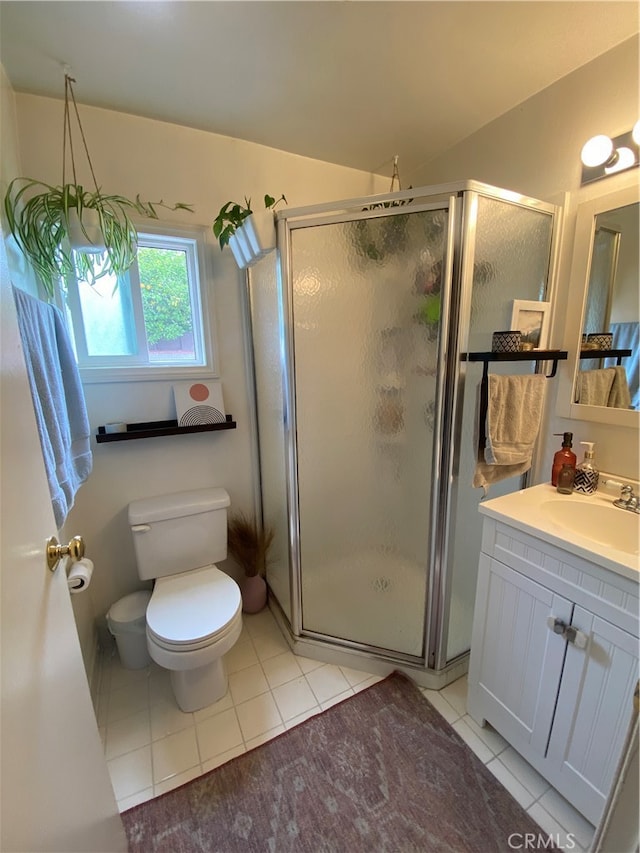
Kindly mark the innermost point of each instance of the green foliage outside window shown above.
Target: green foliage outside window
(165, 294)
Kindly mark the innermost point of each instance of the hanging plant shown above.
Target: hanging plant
(45, 220)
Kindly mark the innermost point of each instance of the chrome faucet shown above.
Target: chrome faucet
(628, 500)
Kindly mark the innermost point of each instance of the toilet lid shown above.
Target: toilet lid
(193, 606)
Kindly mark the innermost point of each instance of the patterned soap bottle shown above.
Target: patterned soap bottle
(587, 475)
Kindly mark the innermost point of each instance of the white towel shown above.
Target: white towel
(594, 386)
(512, 423)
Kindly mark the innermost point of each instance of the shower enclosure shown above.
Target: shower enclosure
(365, 411)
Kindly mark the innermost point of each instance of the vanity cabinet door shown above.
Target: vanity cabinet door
(516, 659)
(595, 707)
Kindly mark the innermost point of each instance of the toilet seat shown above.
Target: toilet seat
(193, 610)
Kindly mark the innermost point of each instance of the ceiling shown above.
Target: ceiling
(353, 83)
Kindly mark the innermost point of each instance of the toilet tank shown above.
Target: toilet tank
(179, 532)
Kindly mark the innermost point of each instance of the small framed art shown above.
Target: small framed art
(199, 403)
(531, 319)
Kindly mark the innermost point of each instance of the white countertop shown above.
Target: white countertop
(526, 511)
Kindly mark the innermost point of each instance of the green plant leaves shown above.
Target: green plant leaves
(231, 216)
(38, 214)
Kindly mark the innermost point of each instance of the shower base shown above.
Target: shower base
(374, 597)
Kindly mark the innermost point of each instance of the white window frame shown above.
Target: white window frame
(94, 369)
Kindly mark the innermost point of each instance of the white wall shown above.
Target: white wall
(133, 155)
(535, 149)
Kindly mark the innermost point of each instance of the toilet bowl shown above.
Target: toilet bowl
(194, 615)
(193, 619)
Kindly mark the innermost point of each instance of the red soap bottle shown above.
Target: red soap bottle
(564, 456)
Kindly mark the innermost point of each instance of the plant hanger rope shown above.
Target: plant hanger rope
(68, 135)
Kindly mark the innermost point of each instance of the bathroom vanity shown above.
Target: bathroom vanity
(554, 654)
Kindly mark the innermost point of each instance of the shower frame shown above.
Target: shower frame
(431, 668)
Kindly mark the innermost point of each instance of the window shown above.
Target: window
(151, 322)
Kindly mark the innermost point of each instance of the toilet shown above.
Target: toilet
(194, 615)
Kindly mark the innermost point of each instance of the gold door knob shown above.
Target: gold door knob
(55, 552)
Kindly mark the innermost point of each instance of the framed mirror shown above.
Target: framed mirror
(603, 324)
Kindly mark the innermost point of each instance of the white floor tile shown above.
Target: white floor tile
(294, 698)
(135, 799)
(247, 683)
(258, 715)
(354, 676)
(222, 758)
(568, 817)
(473, 741)
(513, 786)
(257, 622)
(308, 664)
(444, 708)
(240, 656)
(281, 668)
(335, 700)
(456, 694)
(128, 700)
(264, 738)
(127, 734)
(524, 772)
(327, 681)
(268, 644)
(131, 772)
(368, 682)
(488, 735)
(550, 825)
(174, 782)
(211, 710)
(295, 721)
(174, 754)
(167, 718)
(218, 734)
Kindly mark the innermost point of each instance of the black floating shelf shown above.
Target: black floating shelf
(554, 355)
(151, 429)
(618, 354)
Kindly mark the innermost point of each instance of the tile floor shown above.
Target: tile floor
(151, 746)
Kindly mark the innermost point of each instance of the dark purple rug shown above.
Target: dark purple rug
(382, 772)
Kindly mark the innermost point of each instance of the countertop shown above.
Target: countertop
(526, 511)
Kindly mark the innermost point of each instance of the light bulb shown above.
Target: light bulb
(625, 160)
(635, 133)
(596, 151)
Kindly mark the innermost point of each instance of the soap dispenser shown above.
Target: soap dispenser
(564, 456)
(587, 475)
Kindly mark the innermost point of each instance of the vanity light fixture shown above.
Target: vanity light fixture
(602, 156)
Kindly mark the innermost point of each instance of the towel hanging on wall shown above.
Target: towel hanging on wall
(505, 436)
(58, 400)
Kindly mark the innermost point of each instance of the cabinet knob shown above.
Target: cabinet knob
(569, 632)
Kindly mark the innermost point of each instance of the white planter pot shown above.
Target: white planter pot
(85, 236)
(240, 251)
(260, 232)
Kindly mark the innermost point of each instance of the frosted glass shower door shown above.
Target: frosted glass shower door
(365, 308)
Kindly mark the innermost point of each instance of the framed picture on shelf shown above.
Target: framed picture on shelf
(531, 319)
(198, 403)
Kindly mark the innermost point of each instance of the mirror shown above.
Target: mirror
(603, 298)
(611, 319)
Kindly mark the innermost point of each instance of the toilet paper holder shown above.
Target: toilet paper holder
(55, 551)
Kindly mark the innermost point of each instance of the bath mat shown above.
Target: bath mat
(382, 772)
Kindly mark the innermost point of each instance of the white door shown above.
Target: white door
(516, 660)
(595, 707)
(56, 792)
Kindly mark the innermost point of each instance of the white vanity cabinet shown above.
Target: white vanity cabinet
(563, 700)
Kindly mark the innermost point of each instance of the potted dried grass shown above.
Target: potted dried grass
(249, 544)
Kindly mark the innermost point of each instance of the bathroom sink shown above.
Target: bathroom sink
(587, 526)
(607, 525)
